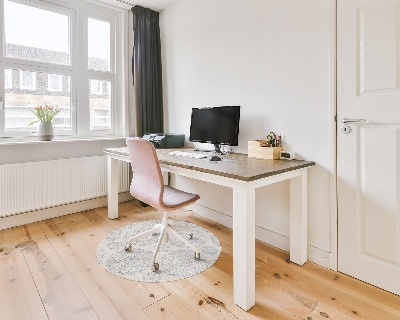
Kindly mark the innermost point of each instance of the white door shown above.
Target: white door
(368, 84)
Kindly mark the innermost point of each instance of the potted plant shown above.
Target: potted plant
(45, 115)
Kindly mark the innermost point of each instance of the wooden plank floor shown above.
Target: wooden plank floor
(48, 270)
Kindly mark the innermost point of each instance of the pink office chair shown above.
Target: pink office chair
(148, 186)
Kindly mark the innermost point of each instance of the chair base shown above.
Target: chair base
(164, 229)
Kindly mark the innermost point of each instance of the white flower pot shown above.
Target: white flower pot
(45, 131)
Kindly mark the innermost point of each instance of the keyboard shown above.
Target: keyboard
(188, 154)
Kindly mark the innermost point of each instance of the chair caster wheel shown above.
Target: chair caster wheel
(155, 267)
(128, 248)
(197, 256)
(190, 235)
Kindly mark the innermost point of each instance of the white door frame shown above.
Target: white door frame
(333, 134)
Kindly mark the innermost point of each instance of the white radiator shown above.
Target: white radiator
(38, 185)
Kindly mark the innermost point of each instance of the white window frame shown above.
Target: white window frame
(79, 11)
(22, 86)
(39, 67)
(8, 84)
(50, 82)
(110, 75)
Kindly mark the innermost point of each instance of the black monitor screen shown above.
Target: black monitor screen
(219, 125)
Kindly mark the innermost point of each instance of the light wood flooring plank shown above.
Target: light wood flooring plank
(356, 288)
(8, 242)
(90, 276)
(106, 297)
(219, 287)
(50, 268)
(74, 254)
(323, 312)
(19, 298)
(93, 280)
(171, 308)
(144, 294)
(196, 299)
(345, 303)
(293, 300)
(60, 294)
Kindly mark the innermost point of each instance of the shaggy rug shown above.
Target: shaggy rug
(176, 260)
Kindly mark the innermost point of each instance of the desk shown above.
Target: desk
(243, 175)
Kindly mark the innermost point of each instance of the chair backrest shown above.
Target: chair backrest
(147, 181)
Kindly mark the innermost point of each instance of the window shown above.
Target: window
(100, 106)
(27, 80)
(101, 77)
(39, 42)
(7, 79)
(71, 64)
(98, 45)
(20, 101)
(54, 82)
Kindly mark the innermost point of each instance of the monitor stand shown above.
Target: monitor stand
(202, 150)
(217, 148)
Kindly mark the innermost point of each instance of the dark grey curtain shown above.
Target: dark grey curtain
(147, 71)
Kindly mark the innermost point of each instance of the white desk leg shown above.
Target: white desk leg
(244, 247)
(112, 187)
(298, 218)
(165, 175)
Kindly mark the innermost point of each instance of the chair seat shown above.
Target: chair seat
(174, 198)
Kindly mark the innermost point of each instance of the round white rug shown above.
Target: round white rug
(176, 260)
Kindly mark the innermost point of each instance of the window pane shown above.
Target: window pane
(27, 80)
(7, 79)
(19, 101)
(98, 45)
(96, 87)
(36, 34)
(100, 105)
(54, 82)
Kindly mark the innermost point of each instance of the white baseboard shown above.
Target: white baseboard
(212, 215)
(315, 255)
(39, 215)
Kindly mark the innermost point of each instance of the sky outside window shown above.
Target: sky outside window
(98, 45)
(46, 35)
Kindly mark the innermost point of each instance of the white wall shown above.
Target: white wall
(273, 58)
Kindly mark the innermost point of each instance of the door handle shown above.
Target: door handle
(345, 128)
(347, 120)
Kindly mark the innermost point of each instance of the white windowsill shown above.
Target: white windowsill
(60, 139)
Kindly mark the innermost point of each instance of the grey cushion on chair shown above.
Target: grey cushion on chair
(174, 198)
(147, 182)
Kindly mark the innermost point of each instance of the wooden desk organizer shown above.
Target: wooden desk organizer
(258, 149)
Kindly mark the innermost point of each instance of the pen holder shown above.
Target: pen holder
(255, 149)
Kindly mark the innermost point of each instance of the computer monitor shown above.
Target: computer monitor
(218, 125)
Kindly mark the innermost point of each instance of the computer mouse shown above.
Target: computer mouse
(214, 158)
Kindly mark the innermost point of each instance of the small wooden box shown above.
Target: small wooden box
(259, 143)
(255, 150)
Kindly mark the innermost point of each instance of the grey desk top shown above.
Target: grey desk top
(235, 165)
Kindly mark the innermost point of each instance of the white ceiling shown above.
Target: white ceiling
(157, 5)
(154, 4)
